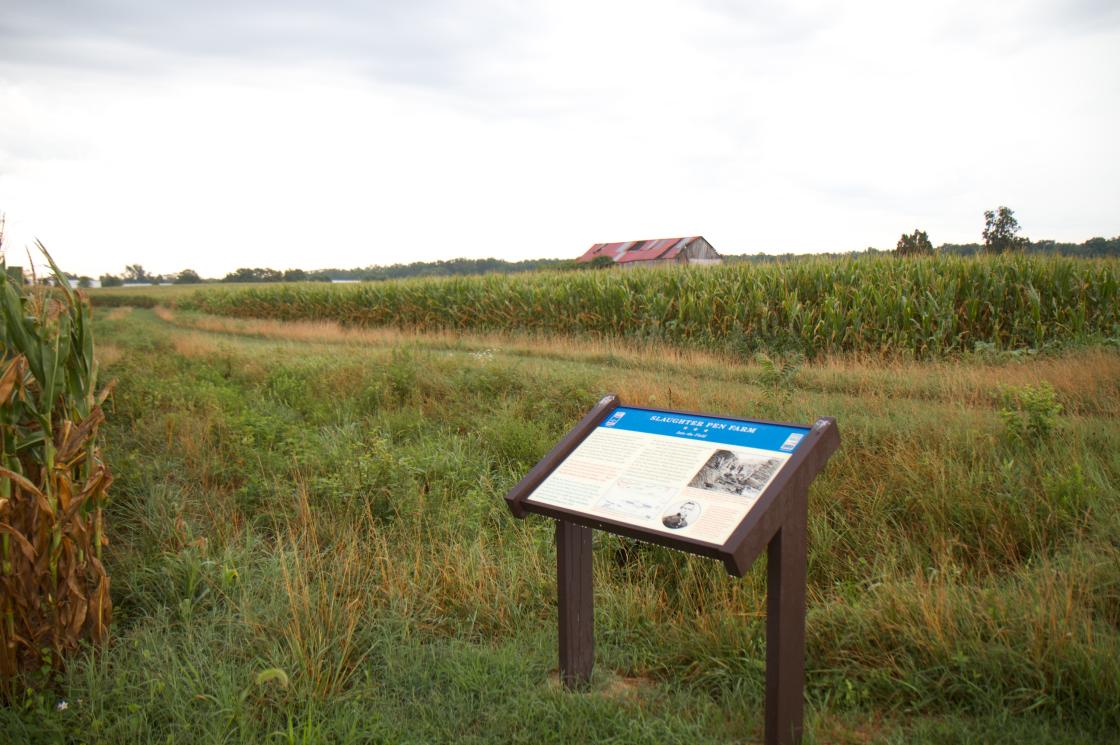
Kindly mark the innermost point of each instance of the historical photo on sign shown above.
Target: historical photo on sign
(681, 515)
(732, 473)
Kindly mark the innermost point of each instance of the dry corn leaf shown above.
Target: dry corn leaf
(11, 376)
(24, 545)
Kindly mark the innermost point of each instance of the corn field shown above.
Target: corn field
(925, 308)
(54, 591)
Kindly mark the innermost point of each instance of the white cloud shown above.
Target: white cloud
(524, 131)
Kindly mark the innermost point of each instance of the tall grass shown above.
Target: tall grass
(54, 591)
(926, 308)
(329, 506)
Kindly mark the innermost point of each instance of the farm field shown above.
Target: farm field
(309, 544)
(924, 308)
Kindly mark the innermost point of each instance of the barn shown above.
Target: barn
(657, 252)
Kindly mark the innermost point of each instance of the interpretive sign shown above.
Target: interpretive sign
(710, 485)
(681, 475)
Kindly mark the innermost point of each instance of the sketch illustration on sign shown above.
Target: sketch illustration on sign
(733, 473)
(681, 516)
(635, 498)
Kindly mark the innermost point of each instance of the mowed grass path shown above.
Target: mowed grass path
(310, 545)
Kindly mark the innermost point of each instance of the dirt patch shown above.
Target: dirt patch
(118, 313)
(617, 687)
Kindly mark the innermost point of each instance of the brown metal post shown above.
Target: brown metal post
(785, 626)
(575, 603)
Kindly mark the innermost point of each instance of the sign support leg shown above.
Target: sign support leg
(575, 602)
(785, 627)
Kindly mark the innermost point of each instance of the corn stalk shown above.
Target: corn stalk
(54, 591)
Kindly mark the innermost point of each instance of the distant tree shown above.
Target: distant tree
(441, 269)
(85, 282)
(187, 277)
(1101, 247)
(916, 244)
(111, 280)
(245, 274)
(295, 275)
(1001, 232)
(601, 262)
(135, 273)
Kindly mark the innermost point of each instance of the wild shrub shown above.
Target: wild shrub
(1029, 413)
(778, 371)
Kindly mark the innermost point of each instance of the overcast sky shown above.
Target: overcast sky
(214, 134)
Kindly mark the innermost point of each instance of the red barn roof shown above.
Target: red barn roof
(627, 251)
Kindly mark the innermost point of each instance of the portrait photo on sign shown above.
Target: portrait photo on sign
(681, 515)
(733, 473)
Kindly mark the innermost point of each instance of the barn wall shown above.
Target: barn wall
(701, 252)
(649, 263)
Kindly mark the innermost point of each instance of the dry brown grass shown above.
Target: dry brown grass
(298, 331)
(195, 345)
(327, 591)
(116, 314)
(862, 730)
(1087, 382)
(537, 346)
(107, 355)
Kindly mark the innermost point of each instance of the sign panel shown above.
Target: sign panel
(685, 475)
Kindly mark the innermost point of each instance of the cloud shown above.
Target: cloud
(421, 42)
(230, 134)
(770, 21)
(1085, 16)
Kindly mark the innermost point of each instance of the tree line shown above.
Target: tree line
(449, 268)
(1000, 234)
(136, 274)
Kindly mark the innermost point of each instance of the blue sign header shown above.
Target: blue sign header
(739, 432)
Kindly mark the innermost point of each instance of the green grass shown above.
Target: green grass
(332, 509)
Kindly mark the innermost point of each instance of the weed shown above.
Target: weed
(1029, 413)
